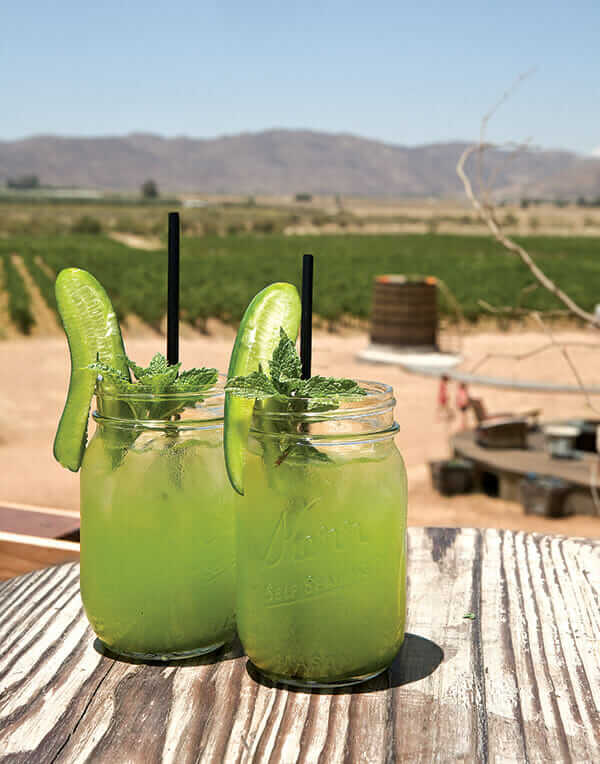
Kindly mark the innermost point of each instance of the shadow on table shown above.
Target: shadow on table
(417, 658)
(226, 653)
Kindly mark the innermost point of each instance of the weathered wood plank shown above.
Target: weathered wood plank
(520, 681)
(37, 521)
(18, 506)
(20, 553)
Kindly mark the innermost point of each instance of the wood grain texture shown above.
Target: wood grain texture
(21, 553)
(518, 682)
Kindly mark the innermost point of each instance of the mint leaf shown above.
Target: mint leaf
(256, 385)
(158, 365)
(195, 380)
(285, 381)
(304, 451)
(285, 363)
(294, 396)
(157, 379)
(158, 384)
(330, 387)
(110, 375)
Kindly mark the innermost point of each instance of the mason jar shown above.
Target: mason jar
(321, 540)
(157, 526)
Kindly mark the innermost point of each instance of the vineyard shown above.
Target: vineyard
(221, 274)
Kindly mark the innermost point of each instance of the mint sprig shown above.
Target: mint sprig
(256, 385)
(285, 364)
(284, 391)
(157, 379)
(112, 376)
(148, 398)
(284, 381)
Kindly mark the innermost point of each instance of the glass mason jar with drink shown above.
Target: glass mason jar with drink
(321, 527)
(157, 525)
(157, 513)
(322, 542)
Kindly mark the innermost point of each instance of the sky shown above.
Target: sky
(405, 73)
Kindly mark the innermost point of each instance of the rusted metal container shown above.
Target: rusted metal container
(404, 312)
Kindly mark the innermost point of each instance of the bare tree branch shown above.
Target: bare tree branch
(487, 214)
(568, 359)
(516, 311)
(455, 304)
(502, 100)
(595, 464)
(484, 124)
(530, 353)
(485, 190)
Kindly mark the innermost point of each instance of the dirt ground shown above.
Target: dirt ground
(34, 377)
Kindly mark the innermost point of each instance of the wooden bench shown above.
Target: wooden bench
(35, 537)
(508, 467)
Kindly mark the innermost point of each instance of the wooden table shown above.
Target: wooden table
(517, 680)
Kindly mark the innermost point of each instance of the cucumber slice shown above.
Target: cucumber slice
(278, 305)
(92, 330)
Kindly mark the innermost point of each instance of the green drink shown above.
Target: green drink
(157, 511)
(321, 541)
(157, 528)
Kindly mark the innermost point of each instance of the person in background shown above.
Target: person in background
(463, 400)
(444, 411)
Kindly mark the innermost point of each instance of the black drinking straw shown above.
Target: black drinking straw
(173, 291)
(306, 325)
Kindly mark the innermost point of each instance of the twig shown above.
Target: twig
(502, 100)
(457, 310)
(526, 290)
(530, 353)
(568, 359)
(518, 311)
(491, 222)
(486, 211)
(495, 170)
(486, 120)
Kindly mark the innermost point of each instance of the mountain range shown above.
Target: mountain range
(290, 161)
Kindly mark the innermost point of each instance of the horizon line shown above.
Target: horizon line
(267, 130)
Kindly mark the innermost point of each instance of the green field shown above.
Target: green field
(221, 274)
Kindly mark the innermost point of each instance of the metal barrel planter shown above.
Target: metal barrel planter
(404, 312)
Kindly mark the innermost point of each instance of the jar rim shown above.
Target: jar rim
(209, 423)
(213, 392)
(217, 390)
(195, 408)
(333, 439)
(379, 399)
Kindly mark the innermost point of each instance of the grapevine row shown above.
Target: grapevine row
(221, 274)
